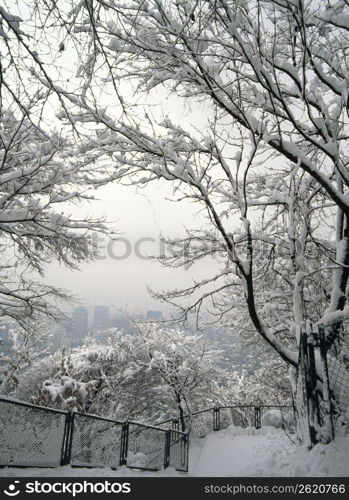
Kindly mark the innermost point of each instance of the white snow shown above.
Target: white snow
(278, 419)
(233, 452)
(237, 452)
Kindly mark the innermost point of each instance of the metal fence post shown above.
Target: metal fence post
(124, 444)
(68, 438)
(167, 448)
(216, 419)
(257, 417)
(187, 444)
(185, 455)
(326, 385)
(175, 423)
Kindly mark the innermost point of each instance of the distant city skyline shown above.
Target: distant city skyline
(100, 319)
(96, 321)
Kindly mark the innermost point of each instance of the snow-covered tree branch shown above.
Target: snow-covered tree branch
(270, 166)
(39, 183)
(273, 79)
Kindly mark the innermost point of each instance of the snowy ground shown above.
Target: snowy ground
(266, 452)
(234, 452)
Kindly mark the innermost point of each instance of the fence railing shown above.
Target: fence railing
(36, 436)
(217, 418)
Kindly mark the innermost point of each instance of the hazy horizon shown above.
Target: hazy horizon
(122, 277)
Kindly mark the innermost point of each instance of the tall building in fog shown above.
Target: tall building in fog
(79, 325)
(123, 323)
(101, 318)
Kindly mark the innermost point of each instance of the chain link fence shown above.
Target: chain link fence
(218, 418)
(335, 339)
(30, 436)
(35, 436)
(239, 416)
(95, 441)
(146, 446)
(179, 450)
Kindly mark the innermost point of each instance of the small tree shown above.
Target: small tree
(186, 365)
(25, 347)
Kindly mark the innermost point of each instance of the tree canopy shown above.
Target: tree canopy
(271, 165)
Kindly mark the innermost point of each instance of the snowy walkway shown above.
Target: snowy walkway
(237, 452)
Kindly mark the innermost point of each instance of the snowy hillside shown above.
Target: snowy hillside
(235, 452)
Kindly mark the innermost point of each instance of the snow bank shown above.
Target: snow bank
(324, 460)
(278, 419)
(237, 452)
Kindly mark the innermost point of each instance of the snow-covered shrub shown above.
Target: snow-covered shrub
(96, 378)
(278, 419)
(144, 376)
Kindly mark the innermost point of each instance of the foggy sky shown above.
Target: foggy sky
(139, 213)
(122, 282)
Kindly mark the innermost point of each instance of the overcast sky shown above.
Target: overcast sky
(136, 214)
(122, 282)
